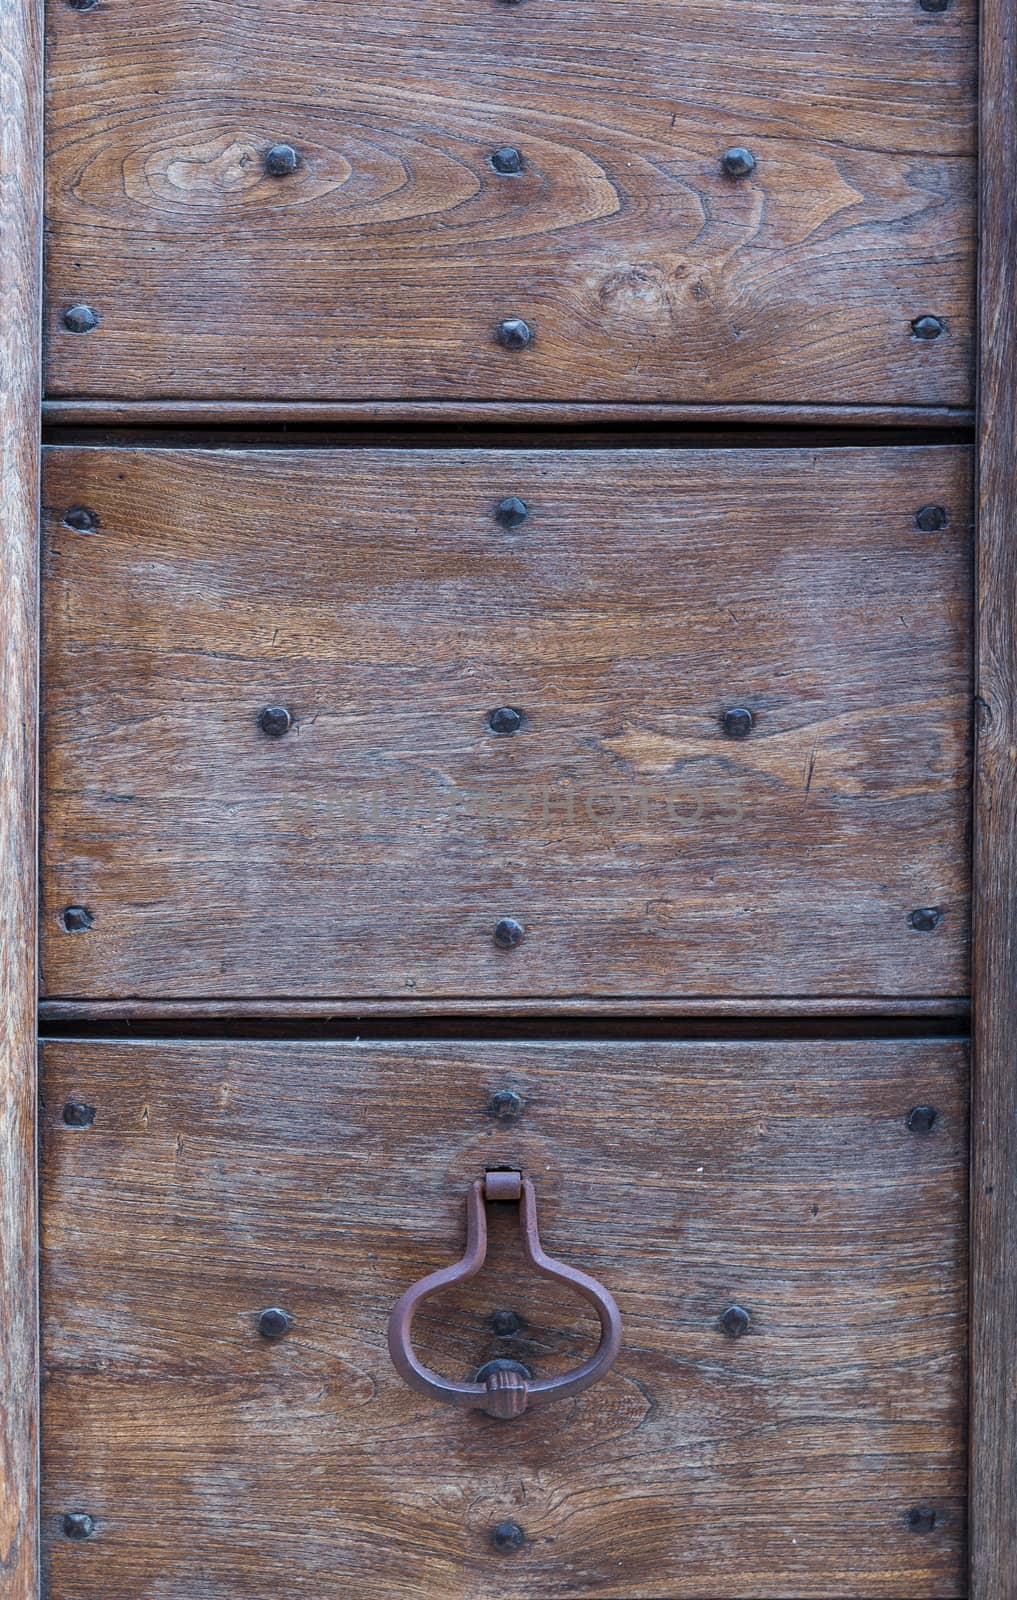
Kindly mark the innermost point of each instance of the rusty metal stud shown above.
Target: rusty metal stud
(274, 1323)
(507, 1536)
(505, 1104)
(77, 1114)
(737, 722)
(511, 511)
(507, 159)
(506, 1324)
(927, 328)
(80, 319)
(922, 1119)
(281, 160)
(82, 519)
(504, 719)
(76, 919)
(738, 162)
(508, 933)
(921, 1519)
(275, 721)
(925, 918)
(735, 1321)
(932, 518)
(78, 1525)
(513, 333)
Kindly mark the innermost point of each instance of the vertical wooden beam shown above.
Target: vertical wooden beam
(994, 1120)
(21, 27)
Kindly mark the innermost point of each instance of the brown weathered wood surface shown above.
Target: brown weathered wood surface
(219, 1178)
(380, 266)
(286, 413)
(907, 1012)
(994, 1143)
(20, 327)
(373, 594)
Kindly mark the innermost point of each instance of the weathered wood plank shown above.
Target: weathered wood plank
(223, 413)
(372, 850)
(217, 1178)
(907, 1013)
(994, 1147)
(382, 264)
(20, 332)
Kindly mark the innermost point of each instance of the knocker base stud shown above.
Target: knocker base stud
(504, 1389)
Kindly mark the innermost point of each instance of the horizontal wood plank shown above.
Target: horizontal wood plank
(285, 413)
(282, 1008)
(380, 266)
(374, 848)
(217, 1178)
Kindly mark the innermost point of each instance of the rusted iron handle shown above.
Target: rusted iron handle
(505, 1393)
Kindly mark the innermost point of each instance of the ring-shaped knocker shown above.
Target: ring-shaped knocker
(506, 1392)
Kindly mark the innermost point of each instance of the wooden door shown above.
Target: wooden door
(507, 773)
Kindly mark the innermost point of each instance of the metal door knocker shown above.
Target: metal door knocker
(506, 1391)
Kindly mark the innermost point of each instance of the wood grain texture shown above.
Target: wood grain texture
(994, 1149)
(379, 268)
(287, 413)
(218, 1178)
(372, 850)
(917, 1009)
(20, 379)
